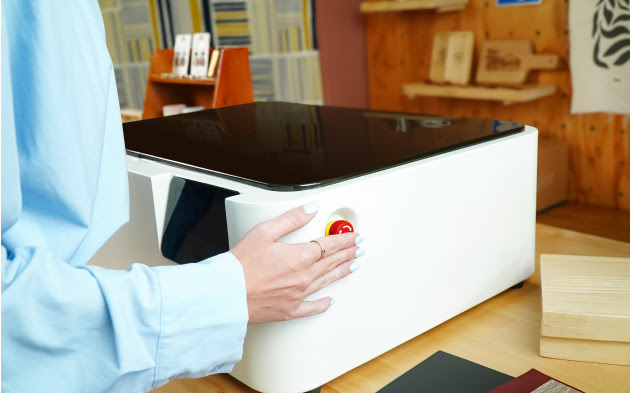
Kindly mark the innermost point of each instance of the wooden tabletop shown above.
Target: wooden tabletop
(502, 333)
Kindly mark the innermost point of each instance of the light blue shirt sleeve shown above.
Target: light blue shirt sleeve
(65, 325)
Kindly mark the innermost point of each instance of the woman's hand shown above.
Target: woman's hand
(279, 276)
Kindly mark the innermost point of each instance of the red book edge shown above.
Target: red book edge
(527, 383)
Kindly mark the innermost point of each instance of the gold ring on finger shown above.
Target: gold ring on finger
(321, 248)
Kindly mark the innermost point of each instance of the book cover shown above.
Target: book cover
(446, 373)
(534, 381)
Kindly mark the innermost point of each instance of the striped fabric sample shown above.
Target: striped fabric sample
(279, 34)
(130, 37)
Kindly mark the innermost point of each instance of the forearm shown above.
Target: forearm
(117, 330)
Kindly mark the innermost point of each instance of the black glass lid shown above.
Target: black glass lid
(284, 146)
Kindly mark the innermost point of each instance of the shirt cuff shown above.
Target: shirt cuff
(203, 318)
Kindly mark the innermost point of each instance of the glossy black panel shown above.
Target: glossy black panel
(196, 225)
(284, 146)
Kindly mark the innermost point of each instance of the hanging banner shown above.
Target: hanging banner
(600, 56)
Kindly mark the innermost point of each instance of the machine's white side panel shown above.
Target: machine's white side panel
(159, 186)
(442, 235)
(138, 241)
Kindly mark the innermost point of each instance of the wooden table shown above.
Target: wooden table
(501, 333)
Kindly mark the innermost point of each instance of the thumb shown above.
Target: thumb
(291, 220)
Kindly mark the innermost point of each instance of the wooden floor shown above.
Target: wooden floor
(503, 332)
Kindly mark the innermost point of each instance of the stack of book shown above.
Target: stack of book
(446, 373)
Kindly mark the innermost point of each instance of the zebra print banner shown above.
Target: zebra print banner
(600, 55)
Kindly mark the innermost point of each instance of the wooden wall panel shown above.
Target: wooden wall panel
(399, 50)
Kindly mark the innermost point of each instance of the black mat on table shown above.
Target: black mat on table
(446, 373)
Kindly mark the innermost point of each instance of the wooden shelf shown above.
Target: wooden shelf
(231, 85)
(409, 5)
(182, 81)
(507, 95)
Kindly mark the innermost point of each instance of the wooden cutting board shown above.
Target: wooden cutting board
(585, 308)
(509, 62)
(451, 57)
(438, 56)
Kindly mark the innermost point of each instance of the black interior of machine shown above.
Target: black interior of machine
(195, 227)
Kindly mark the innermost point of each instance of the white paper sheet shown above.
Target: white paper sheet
(600, 55)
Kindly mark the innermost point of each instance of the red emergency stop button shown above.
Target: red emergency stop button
(339, 226)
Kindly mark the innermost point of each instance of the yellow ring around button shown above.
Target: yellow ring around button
(327, 233)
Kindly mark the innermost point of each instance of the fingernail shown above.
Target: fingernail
(311, 208)
(358, 240)
(355, 266)
(332, 301)
(359, 253)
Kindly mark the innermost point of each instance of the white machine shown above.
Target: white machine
(446, 205)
